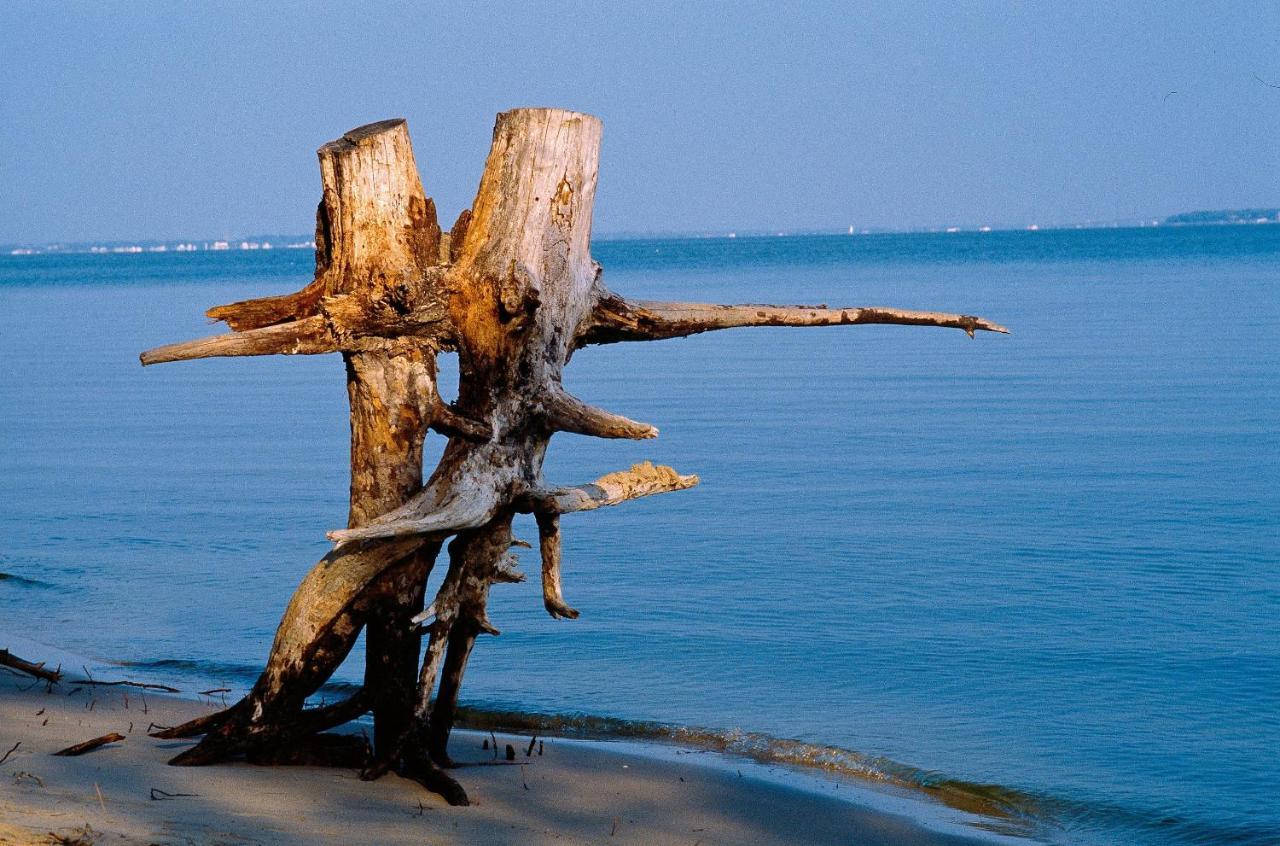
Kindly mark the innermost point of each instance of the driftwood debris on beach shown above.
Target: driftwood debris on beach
(513, 290)
(90, 745)
(37, 670)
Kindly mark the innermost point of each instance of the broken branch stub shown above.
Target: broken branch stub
(644, 479)
(567, 413)
(549, 545)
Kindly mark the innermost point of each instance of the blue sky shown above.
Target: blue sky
(159, 120)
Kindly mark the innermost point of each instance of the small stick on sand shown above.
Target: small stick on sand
(89, 679)
(90, 745)
(10, 752)
(127, 683)
(158, 795)
(464, 764)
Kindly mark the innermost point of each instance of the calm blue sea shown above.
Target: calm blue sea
(1048, 563)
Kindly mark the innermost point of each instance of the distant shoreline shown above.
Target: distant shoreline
(301, 242)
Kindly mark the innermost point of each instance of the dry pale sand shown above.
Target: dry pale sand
(573, 793)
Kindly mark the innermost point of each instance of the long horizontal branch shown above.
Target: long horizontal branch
(300, 337)
(643, 479)
(345, 325)
(618, 319)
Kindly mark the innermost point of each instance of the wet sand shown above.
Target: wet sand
(573, 793)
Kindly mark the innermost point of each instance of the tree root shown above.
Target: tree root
(228, 734)
(425, 772)
(301, 740)
(412, 758)
(347, 751)
(200, 725)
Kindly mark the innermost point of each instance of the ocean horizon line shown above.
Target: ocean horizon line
(252, 242)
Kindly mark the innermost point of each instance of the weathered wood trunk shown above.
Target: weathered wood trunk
(512, 289)
(376, 241)
(388, 424)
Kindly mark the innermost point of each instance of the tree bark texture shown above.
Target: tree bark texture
(514, 291)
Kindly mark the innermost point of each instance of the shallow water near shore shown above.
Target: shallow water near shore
(1048, 563)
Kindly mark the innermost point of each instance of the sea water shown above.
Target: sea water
(1042, 570)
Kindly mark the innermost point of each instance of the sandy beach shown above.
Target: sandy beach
(572, 793)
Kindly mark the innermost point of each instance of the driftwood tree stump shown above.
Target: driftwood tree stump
(512, 288)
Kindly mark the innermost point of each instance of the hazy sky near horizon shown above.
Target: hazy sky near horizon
(162, 120)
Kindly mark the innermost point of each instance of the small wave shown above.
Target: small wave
(203, 670)
(240, 676)
(999, 809)
(23, 582)
(1016, 811)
